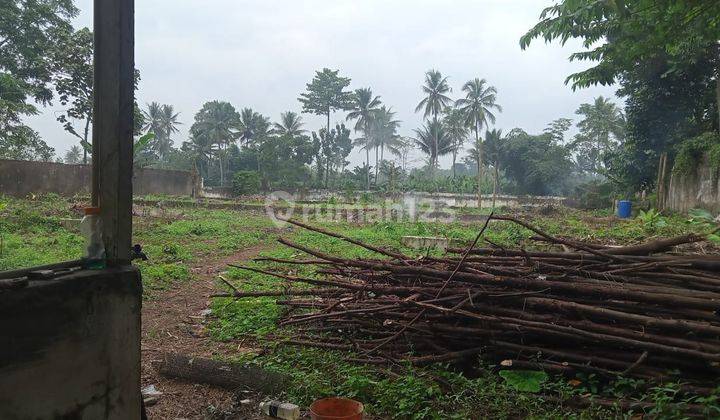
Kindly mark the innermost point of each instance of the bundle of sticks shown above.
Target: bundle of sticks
(632, 311)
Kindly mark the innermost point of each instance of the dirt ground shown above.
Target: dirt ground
(174, 321)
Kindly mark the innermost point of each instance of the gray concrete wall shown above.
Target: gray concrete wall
(19, 178)
(699, 189)
(70, 347)
(448, 199)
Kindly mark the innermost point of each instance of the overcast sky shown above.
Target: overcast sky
(260, 54)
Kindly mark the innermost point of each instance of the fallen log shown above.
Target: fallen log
(226, 375)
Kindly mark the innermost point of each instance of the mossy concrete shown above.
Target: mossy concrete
(70, 347)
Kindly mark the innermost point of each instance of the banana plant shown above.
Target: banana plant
(141, 145)
(705, 221)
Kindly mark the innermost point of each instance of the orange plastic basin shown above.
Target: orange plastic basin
(335, 408)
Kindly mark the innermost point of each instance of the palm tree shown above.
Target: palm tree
(601, 129)
(201, 149)
(73, 155)
(477, 106)
(169, 126)
(161, 120)
(153, 118)
(493, 145)
(436, 100)
(383, 132)
(247, 126)
(364, 108)
(457, 131)
(290, 124)
(217, 124)
(365, 143)
(432, 139)
(436, 87)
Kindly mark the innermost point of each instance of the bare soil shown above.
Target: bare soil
(174, 321)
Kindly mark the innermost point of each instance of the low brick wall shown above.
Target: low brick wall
(19, 178)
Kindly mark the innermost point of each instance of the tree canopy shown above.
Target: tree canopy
(618, 34)
(326, 94)
(29, 31)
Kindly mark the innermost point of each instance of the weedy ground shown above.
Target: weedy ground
(33, 232)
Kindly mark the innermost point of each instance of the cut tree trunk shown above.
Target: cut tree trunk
(495, 185)
(224, 375)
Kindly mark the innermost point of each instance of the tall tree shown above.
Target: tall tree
(602, 128)
(29, 31)
(383, 132)
(457, 130)
(364, 108)
(290, 124)
(326, 93)
(663, 108)
(73, 155)
(284, 160)
(73, 79)
(216, 124)
(24, 143)
(202, 150)
(619, 35)
(252, 126)
(432, 140)
(162, 121)
(536, 164)
(332, 147)
(478, 105)
(169, 126)
(557, 129)
(664, 53)
(493, 147)
(435, 89)
(435, 101)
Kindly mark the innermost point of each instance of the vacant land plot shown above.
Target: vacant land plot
(189, 245)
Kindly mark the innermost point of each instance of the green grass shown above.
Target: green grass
(32, 235)
(192, 236)
(436, 392)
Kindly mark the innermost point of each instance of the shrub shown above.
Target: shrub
(595, 194)
(691, 151)
(246, 182)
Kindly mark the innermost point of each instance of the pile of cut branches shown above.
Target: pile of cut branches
(633, 311)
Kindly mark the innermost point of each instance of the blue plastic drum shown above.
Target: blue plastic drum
(624, 209)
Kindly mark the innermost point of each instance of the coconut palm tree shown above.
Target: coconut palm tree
(383, 132)
(432, 139)
(457, 130)
(202, 150)
(153, 118)
(253, 128)
(364, 107)
(365, 143)
(73, 155)
(601, 129)
(493, 148)
(217, 123)
(161, 120)
(247, 126)
(169, 125)
(478, 105)
(436, 100)
(290, 124)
